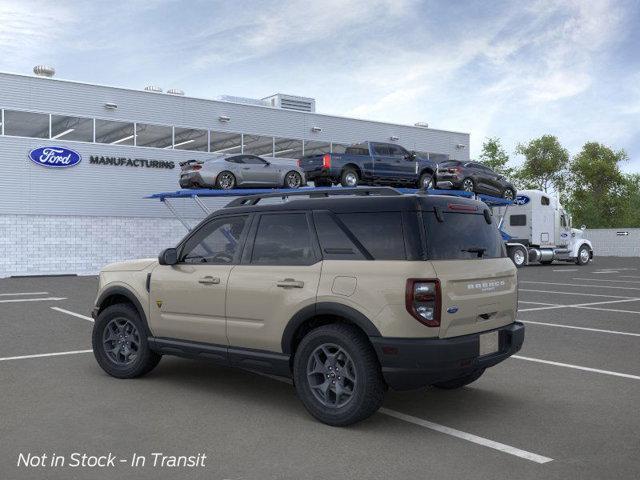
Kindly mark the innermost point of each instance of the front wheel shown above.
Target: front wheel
(583, 255)
(460, 381)
(518, 256)
(120, 343)
(337, 375)
(292, 180)
(426, 181)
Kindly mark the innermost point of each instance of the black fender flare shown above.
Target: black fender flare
(326, 308)
(129, 295)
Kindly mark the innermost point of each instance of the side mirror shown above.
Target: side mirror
(169, 256)
(583, 227)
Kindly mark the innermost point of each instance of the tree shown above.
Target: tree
(600, 193)
(495, 157)
(545, 164)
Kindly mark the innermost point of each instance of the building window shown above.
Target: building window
(157, 136)
(258, 145)
(224, 142)
(72, 128)
(338, 147)
(26, 124)
(114, 133)
(287, 148)
(312, 147)
(190, 139)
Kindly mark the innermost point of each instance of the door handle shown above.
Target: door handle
(246, 168)
(290, 283)
(208, 280)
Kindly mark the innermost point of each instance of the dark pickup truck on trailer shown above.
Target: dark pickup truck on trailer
(370, 163)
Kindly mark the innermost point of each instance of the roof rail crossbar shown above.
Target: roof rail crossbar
(254, 199)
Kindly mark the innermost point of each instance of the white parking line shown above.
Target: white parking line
(485, 442)
(610, 310)
(578, 285)
(540, 303)
(73, 314)
(576, 293)
(582, 305)
(443, 429)
(577, 367)
(44, 299)
(566, 269)
(23, 293)
(40, 355)
(597, 330)
(604, 280)
(628, 276)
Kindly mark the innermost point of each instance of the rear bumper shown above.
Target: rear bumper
(191, 180)
(409, 363)
(319, 173)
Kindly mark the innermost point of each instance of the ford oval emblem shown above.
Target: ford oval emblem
(452, 309)
(55, 157)
(521, 200)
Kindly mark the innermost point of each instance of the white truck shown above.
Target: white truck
(538, 230)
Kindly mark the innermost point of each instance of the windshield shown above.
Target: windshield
(462, 236)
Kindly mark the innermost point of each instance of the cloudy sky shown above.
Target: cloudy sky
(515, 69)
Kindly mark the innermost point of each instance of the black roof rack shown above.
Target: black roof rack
(316, 193)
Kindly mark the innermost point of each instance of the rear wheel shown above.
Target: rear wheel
(518, 256)
(292, 179)
(349, 178)
(460, 381)
(508, 194)
(426, 181)
(583, 255)
(225, 181)
(120, 343)
(468, 185)
(337, 375)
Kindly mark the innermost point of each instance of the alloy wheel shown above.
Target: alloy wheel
(226, 181)
(427, 183)
(331, 375)
(121, 341)
(351, 179)
(518, 257)
(467, 185)
(584, 255)
(293, 180)
(508, 194)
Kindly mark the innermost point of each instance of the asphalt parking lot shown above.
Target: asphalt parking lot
(565, 407)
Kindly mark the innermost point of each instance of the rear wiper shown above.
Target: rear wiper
(479, 250)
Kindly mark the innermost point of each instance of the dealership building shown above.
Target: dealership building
(127, 144)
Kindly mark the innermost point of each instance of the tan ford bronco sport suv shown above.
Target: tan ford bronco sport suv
(348, 295)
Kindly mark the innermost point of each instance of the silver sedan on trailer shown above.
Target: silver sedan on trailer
(231, 171)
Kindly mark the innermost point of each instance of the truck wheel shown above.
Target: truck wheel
(349, 178)
(518, 256)
(460, 381)
(468, 185)
(426, 181)
(583, 255)
(337, 375)
(120, 343)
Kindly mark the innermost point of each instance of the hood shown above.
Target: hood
(130, 265)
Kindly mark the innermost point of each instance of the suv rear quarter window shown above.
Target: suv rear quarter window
(379, 232)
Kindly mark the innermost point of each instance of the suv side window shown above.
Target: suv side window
(334, 242)
(283, 239)
(380, 233)
(217, 242)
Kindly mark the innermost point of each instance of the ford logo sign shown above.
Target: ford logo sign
(55, 157)
(452, 309)
(521, 200)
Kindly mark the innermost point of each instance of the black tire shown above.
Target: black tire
(322, 182)
(518, 256)
(582, 258)
(144, 359)
(369, 387)
(221, 180)
(468, 185)
(509, 194)
(293, 184)
(426, 181)
(460, 381)
(349, 177)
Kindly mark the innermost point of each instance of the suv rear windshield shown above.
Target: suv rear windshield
(462, 236)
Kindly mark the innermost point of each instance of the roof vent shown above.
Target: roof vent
(44, 71)
(175, 91)
(153, 88)
(422, 124)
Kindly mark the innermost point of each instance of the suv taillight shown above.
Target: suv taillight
(299, 162)
(422, 298)
(326, 160)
